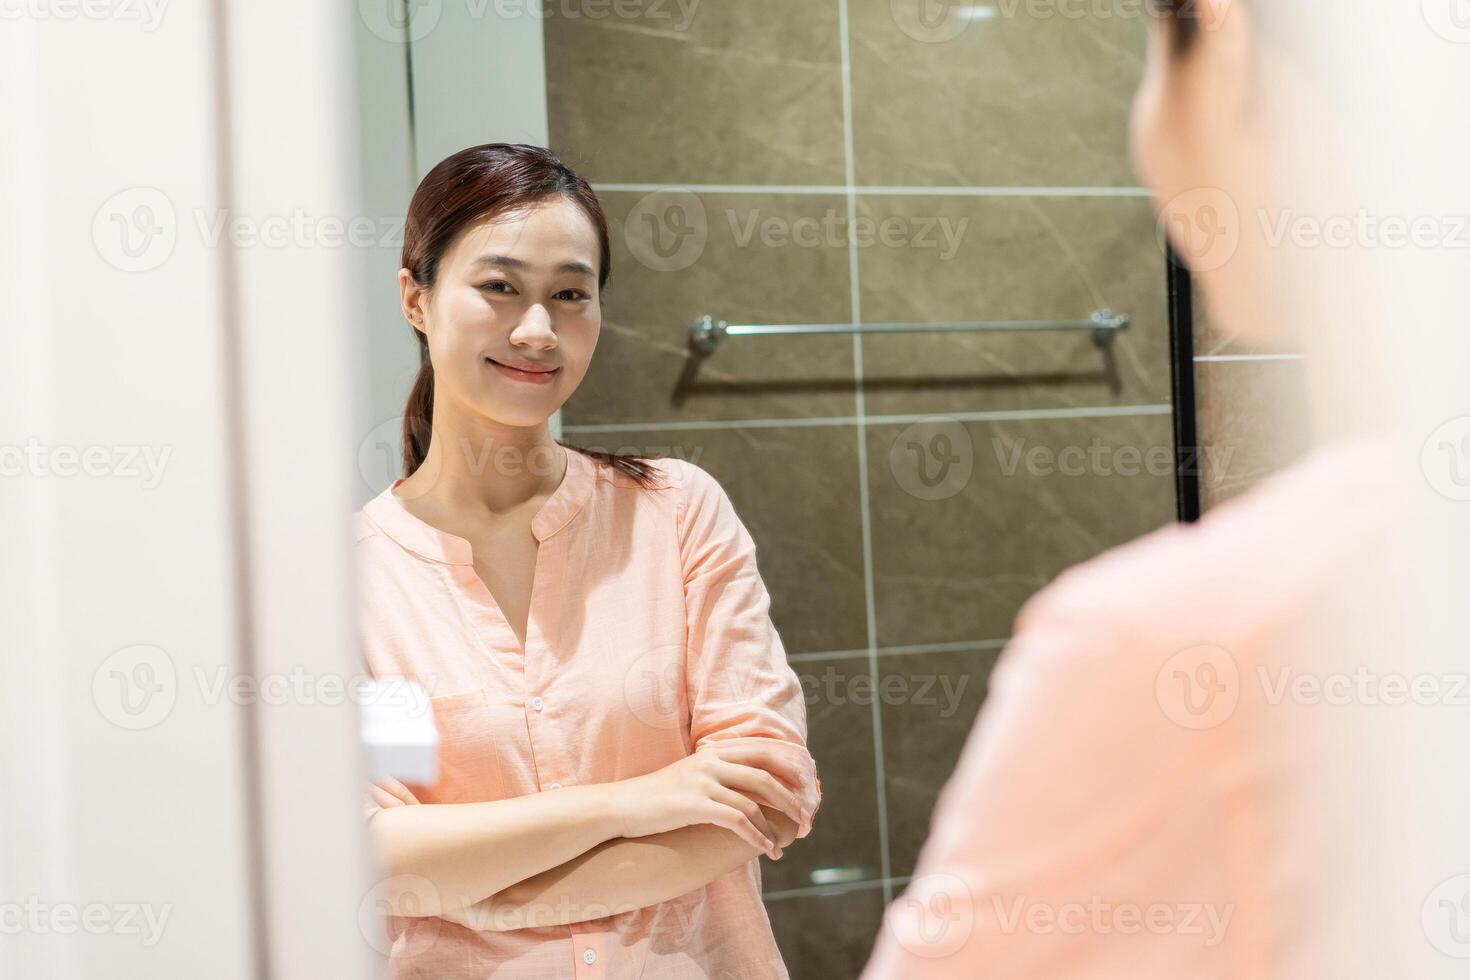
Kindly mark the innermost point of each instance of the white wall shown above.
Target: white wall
(477, 76)
(298, 306)
(138, 796)
(389, 176)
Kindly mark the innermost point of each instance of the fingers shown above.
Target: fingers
(764, 788)
(782, 827)
(400, 790)
(753, 813)
(781, 763)
(388, 792)
(747, 814)
(735, 822)
(382, 797)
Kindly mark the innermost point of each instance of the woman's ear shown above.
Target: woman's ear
(1229, 44)
(413, 299)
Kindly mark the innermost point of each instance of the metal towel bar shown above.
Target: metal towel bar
(707, 332)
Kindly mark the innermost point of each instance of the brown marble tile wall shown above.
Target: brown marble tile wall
(1251, 412)
(744, 258)
(840, 732)
(1013, 258)
(935, 699)
(1028, 97)
(718, 121)
(971, 518)
(731, 92)
(827, 936)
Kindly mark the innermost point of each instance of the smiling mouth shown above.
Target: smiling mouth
(524, 374)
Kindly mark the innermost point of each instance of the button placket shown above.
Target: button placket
(551, 771)
(588, 951)
(538, 725)
(543, 733)
(549, 749)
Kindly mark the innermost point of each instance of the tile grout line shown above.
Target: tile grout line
(1220, 358)
(958, 646)
(864, 506)
(796, 422)
(836, 888)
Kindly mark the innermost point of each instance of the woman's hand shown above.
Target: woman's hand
(721, 785)
(389, 792)
(784, 828)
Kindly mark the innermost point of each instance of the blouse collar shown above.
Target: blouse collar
(428, 541)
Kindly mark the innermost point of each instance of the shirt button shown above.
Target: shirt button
(537, 703)
(589, 957)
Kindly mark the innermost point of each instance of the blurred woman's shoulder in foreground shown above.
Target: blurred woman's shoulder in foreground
(1139, 754)
(1242, 566)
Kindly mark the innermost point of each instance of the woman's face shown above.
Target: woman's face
(516, 291)
(1199, 142)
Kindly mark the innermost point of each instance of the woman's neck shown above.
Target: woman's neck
(475, 466)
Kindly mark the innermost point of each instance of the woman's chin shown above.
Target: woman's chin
(522, 416)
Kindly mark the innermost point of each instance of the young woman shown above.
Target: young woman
(621, 735)
(1132, 802)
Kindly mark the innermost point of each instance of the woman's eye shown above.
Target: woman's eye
(573, 295)
(499, 286)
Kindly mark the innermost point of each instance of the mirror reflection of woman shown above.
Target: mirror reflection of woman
(621, 736)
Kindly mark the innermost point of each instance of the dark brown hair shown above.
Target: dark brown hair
(1182, 22)
(476, 183)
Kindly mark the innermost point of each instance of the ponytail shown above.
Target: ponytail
(418, 415)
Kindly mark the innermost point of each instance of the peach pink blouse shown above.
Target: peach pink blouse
(649, 636)
(1132, 802)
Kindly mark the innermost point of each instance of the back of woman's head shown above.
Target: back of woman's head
(1180, 22)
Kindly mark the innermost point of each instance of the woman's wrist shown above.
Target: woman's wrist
(608, 805)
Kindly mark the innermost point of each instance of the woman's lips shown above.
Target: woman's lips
(529, 377)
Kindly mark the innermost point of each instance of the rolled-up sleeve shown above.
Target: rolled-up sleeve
(740, 686)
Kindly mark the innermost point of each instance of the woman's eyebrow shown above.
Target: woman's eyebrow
(506, 261)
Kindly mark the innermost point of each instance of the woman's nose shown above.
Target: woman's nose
(534, 328)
